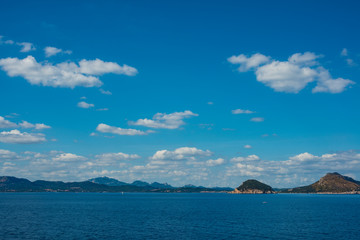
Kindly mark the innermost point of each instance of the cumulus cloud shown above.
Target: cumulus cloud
(66, 74)
(83, 104)
(241, 111)
(104, 128)
(68, 157)
(26, 46)
(247, 63)
(248, 158)
(38, 126)
(6, 123)
(24, 124)
(6, 155)
(15, 136)
(52, 51)
(165, 121)
(293, 75)
(215, 162)
(180, 154)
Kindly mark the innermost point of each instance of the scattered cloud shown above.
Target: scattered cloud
(165, 121)
(104, 128)
(257, 119)
(215, 162)
(241, 111)
(248, 158)
(37, 126)
(52, 51)
(293, 75)
(247, 146)
(247, 63)
(68, 157)
(15, 136)
(210, 103)
(6, 123)
(180, 154)
(105, 92)
(24, 124)
(83, 104)
(116, 156)
(66, 74)
(344, 52)
(26, 46)
(102, 109)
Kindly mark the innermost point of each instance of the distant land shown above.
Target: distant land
(102, 184)
(253, 186)
(331, 183)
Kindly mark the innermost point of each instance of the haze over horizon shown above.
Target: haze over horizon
(180, 92)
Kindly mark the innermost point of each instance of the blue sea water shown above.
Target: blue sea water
(178, 216)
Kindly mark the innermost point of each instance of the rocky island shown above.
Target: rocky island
(331, 183)
(253, 186)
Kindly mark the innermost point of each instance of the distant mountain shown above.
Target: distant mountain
(161, 185)
(108, 181)
(330, 183)
(13, 184)
(140, 183)
(253, 186)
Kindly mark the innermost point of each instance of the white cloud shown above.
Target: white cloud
(6, 123)
(166, 121)
(37, 126)
(66, 74)
(180, 154)
(99, 67)
(105, 92)
(330, 85)
(248, 158)
(210, 103)
(52, 51)
(15, 136)
(68, 157)
(241, 111)
(247, 146)
(102, 109)
(257, 119)
(6, 155)
(117, 156)
(104, 128)
(285, 76)
(344, 52)
(83, 104)
(247, 63)
(26, 46)
(215, 162)
(295, 74)
(307, 58)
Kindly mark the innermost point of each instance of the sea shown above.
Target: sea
(178, 216)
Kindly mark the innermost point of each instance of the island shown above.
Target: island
(253, 186)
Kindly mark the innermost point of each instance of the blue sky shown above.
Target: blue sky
(180, 92)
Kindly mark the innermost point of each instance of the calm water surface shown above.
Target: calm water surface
(178, 216)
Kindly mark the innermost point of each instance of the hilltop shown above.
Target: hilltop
(330, 183)
(253, 186)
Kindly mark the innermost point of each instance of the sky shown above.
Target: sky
(207, 93)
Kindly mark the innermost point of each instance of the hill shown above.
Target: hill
(330, 183)
(13, 184)
(253, 186)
